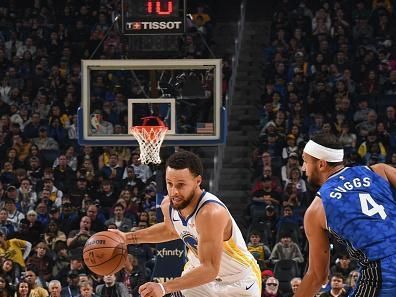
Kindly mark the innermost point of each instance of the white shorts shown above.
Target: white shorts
(248, 286)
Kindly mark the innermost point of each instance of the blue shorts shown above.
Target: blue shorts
(378, 279)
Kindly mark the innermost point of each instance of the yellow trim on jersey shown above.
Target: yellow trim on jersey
(235, 253)
(231, 249)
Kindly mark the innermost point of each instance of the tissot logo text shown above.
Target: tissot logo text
(153, 25)
(165, 252)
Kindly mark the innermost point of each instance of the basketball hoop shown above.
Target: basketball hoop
(150, 139)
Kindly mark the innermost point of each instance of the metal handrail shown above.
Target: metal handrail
(218, 158)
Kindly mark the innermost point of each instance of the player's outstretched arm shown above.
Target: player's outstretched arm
(319, 254)
(386, 171)
(160, 232)
(211, 223)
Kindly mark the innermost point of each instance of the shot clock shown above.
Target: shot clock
(153, 17)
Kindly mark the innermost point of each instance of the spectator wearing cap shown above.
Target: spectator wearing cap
(44, 142)
(74, 268)
(72, 289)
(77, 192)
(54, 213)
(53, 234)
(14, 215)
(124, 224)
(15, 249)
(264, 192)
(265, 274)
(41, 260)
(11, 193)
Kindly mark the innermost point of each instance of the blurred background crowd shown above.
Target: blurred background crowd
(329, 66)
(54, 193)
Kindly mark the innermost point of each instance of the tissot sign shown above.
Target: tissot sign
(148, 17)
(152, 26)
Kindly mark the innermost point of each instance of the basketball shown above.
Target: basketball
(105, 253)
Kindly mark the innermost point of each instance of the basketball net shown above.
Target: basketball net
(150, 139)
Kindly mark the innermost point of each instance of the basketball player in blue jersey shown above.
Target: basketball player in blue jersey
(219, 263)
(357, 205)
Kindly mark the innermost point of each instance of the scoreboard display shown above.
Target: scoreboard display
(153, 17)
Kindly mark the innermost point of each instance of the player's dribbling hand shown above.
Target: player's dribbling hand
(151, 289)
(120, 233)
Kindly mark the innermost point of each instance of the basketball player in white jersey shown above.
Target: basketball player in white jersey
(219, 264)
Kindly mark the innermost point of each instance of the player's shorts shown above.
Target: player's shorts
(378, 279)
(244, 285)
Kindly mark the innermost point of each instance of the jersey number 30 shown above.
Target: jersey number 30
(365, 201)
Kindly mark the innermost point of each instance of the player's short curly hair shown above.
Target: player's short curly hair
(186, 159)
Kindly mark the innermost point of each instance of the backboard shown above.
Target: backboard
(186, 94)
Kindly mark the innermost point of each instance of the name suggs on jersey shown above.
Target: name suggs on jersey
(349, 186)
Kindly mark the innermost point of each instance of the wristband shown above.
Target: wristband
(162, 289)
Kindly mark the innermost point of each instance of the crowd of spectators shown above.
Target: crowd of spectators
(55, 193)
(330, 67)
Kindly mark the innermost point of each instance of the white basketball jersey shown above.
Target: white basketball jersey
(236, 258)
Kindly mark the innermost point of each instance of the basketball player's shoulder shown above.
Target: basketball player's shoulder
(211, 207)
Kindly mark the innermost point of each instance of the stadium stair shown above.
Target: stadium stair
(235, 179)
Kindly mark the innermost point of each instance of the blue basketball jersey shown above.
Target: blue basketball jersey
(360, 209)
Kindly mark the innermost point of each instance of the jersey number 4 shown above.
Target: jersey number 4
(365, 201)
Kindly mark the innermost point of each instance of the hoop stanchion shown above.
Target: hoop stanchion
(150, 139)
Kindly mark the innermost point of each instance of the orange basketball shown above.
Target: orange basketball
(105, 253)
